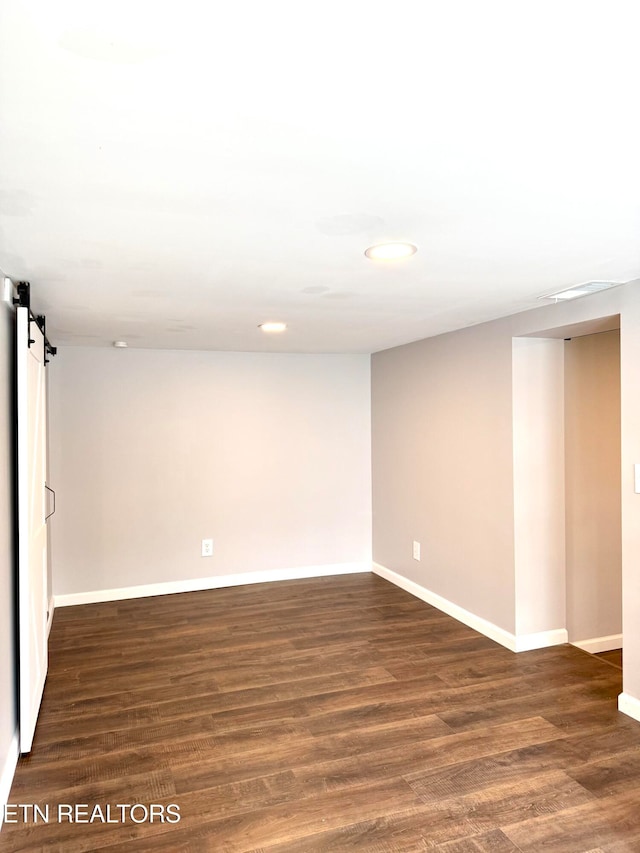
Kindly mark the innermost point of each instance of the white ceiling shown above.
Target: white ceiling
(173, 174)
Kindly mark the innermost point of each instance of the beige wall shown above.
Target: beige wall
(8, 688)
(152, 451)
(443, 460)
(442, 471)
(592, 482)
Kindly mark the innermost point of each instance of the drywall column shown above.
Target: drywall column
(592, 491)
(538, 492)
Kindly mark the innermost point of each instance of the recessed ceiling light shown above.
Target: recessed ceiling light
(390, 251)
(120, 344)
(581, 290)
(272, 327)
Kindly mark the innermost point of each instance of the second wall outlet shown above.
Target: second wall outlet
(416, 550)
(207, 547)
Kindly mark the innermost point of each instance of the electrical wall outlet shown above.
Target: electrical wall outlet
(416, 550)
(207, 547)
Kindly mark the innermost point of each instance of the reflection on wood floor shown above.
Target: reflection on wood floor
(333, 714)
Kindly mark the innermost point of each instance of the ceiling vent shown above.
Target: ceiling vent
(581, 290)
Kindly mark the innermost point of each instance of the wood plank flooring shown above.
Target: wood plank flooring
(312, 716)
(613, 657)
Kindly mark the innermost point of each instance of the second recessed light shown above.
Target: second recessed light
(390, 251)
(272, 327)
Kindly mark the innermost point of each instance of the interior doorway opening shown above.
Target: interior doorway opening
(593, 524)
(567, 490)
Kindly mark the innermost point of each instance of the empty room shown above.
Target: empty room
(320, 428)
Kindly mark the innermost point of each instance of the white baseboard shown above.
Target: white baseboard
(7, 774)
(629, 705)
(542, 640)
(218, 582)
(521, 643)
(599, 644)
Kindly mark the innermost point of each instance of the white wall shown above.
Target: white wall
(594, 561)
(152, 451)
(8, 676)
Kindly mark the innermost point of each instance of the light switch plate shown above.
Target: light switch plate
(7, 291)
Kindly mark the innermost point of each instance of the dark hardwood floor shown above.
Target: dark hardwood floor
(335, 714)
(613, 657)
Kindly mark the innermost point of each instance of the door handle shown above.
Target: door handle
(47, 517)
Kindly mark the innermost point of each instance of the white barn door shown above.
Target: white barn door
(32, 528)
